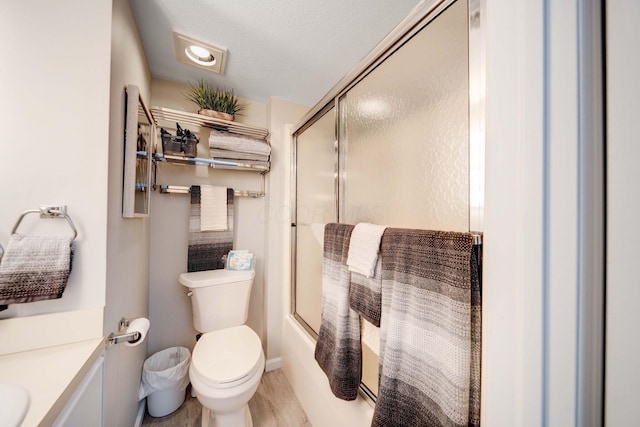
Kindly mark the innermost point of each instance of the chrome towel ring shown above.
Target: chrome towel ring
(49, 212)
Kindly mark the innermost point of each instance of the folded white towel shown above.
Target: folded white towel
(364, 248)
(213, 208)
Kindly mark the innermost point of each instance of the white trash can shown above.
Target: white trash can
(165, 376)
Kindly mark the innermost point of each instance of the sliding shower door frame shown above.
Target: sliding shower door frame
(419, 18)
(294, 212)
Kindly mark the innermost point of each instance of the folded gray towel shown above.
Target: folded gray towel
(239, 143)
(217, 153)
(35, 268)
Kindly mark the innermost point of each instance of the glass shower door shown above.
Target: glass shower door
(401, 160)
(316, 165)
(404, 142)
(404, 133)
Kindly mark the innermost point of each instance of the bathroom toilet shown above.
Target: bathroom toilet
(227, 361)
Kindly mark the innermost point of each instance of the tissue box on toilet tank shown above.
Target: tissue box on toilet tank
(240, 260)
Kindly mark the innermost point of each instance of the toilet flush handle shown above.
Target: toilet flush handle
(189, 293)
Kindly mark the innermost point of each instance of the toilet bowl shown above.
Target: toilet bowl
(226, 368)
(227, 361)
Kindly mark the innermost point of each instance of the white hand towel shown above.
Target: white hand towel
(364, 248)
(213, 208)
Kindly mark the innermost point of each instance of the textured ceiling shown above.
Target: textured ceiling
(292, 49)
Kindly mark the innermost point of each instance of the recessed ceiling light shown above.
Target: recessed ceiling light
(199, 54)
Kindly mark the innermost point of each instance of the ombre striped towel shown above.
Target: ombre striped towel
(35, 268)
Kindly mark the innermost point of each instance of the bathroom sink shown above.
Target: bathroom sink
(14, 402)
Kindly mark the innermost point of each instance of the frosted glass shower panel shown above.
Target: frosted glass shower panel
(316, 172)
(309, 240)
(404, 133)
(315, 206)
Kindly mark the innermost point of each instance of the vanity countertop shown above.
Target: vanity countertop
(50, 375)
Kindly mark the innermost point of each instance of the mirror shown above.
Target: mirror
(138, 151)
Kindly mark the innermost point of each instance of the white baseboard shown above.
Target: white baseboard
(142, 407)
(273, 364)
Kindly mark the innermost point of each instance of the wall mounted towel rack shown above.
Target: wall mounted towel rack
(171, 116)
(218, 164)
(178, 189)
(49, 212)
(212, 163)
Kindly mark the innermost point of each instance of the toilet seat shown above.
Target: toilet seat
(227, 357)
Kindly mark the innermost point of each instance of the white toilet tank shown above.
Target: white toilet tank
(220, 298)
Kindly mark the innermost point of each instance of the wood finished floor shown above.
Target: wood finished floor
(273, 405)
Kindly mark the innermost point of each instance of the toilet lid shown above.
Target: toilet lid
(227, 355)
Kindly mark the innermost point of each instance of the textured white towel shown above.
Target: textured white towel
(213, 208)
(239, 143)
(371, 336)
(364, 248)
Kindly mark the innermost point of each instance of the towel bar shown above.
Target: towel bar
(477, 238)
(49, 212)
(165, 189)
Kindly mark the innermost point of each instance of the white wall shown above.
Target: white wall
(165, 93)
(261, 225)
(281, 115)
(54, 112)
(169, 307)
(531, 244)
(512, 261)
(623, 156)
(127, 290)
